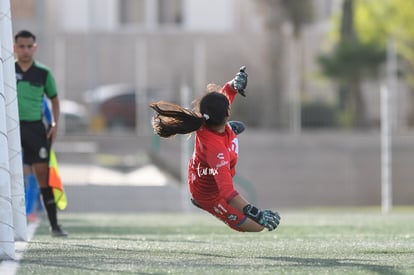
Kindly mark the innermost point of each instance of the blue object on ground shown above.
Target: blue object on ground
(32, 195)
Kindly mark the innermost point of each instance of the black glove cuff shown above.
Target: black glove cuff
(252, 212)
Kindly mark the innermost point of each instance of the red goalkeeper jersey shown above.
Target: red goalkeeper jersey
(212, 167)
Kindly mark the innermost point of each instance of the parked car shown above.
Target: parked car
(120, 110)
(115, 104)
(73, 116)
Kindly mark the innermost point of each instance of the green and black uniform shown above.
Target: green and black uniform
(32, 85)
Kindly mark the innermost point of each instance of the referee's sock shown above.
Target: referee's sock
(50, 205)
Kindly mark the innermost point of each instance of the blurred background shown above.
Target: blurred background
(313, 110)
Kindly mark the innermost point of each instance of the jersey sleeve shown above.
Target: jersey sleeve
(219, 161)
(50, 86)
(229, 92)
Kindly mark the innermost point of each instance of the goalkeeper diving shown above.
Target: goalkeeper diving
(213, 164)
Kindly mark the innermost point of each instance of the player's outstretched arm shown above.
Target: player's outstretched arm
(257, 219)
(239, 82)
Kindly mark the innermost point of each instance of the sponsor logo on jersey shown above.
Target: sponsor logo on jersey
(222, 163)
(232, 217)
(206, 171)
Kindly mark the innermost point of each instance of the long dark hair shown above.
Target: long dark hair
(171, 119)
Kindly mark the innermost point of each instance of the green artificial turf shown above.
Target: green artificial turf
(313, 241)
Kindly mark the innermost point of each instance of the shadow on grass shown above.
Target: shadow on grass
(336, 263)
(78, 257)
(87, 258)
(80, 231)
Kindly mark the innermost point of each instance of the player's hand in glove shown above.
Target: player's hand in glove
(274, 216)
(238, 127)
(266, 218)
(270, 219)
(240, 81)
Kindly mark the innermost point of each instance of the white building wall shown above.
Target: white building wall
(209, 15)
(81, 15)
(198, 15)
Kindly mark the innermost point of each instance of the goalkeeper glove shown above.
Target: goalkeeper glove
(266, 218)
(240, 81)
(237, 126)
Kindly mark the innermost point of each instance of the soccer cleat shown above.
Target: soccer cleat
(59, 232)
(237, 127)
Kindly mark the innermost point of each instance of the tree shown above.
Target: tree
(379, 21)
(350, 63)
